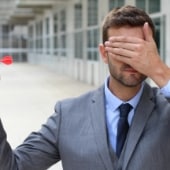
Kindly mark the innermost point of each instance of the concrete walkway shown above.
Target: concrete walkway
(28, 95)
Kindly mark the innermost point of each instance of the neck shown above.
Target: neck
(123, 92)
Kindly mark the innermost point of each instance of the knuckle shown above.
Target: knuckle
(139, 47)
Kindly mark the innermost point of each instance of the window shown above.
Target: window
(78, 44)
(62, 33)
(141, 4)
(92, 12)
(30, 34)
(63, 45)
(63, 21)
(41, 35)
(115, 3)
(92, 32)
(38, 35)
(13, 38)
(78, 35)
(92, 43)
(30, 31)
(154, 6)
(47, 39)
(47, 24)
(56, 45)
(5, 35)
(150, 6)
(55, 29)
(15, 41)
(59, 32)
(55, 20)
(5, 29)
(159, 23)
(78, 15)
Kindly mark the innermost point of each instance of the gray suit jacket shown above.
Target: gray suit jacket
(76, 134)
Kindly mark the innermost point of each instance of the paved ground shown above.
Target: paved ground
(28, 95)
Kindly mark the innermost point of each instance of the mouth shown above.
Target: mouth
(130, 69)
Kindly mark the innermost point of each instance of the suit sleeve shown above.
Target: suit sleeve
(166, 90)
(39, 150)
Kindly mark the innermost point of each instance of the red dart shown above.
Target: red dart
(6, 60)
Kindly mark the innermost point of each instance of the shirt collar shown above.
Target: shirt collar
(113, 102)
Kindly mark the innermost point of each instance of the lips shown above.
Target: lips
(130, 69)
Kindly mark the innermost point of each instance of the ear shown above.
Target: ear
(103, 53)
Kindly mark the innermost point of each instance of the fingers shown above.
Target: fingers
(148, 35)
(125, 39)
(120, 58)
(121, 51)
(124, 46)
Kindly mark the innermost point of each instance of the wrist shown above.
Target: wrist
(161, 75)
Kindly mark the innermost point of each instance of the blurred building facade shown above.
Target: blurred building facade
(64, 34)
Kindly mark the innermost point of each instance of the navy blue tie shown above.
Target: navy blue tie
(123, 127)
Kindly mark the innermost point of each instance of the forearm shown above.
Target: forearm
(161, 74)
(38, 151)
(7, 158)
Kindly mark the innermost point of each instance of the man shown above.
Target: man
(84, 132)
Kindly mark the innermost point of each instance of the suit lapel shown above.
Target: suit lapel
(141, 116)
(99, 126)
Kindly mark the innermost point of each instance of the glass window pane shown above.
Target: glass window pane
(89, 39)
(63, 45)
(96, 55)
(63, 41)
(30, 31)
(78, 15)
(92, 43)
(55, 42)
(48, 45)
(96, 38)
(14, 42)
(41, 28)
(41, 43)
(154, 6)
(157, 31)
(56, 45)
(141, 4)
(5, 29)
(115, 3)
(78, 45)
(89, 55)
(63, 20)
(92, 12)
(36, 29)
(55, 20)
(47, 26)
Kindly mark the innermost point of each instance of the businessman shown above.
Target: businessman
(123, 125)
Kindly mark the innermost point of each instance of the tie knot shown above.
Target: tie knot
(125, 109)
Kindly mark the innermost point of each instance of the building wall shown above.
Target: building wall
(82, 60)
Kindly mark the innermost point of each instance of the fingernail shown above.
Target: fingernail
(107, 43)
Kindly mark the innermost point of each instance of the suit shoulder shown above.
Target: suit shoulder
(159, 96)
(80, 101)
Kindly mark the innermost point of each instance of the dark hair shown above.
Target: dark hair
(126, 16)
